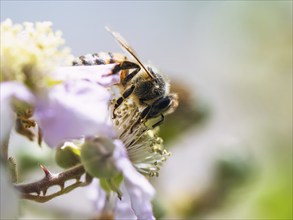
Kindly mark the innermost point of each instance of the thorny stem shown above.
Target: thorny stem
(52, 179)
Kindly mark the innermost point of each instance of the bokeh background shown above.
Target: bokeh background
(231, 63)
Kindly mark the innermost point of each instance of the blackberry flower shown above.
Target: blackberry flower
(75, 103)
(37, 89)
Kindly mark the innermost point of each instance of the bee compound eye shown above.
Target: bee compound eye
(163, 103)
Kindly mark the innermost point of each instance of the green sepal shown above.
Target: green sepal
(117, 180)
(112, 184)
(105, 185)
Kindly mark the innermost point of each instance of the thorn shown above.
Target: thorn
(44, 191)
(46, 171)
(62, 185)
(88, 178)
(78, 179)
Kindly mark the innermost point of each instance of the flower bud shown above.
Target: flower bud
(97, 157)
(67, 155)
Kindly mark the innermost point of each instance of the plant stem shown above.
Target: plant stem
(51, 179)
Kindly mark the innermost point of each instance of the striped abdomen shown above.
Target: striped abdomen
(99, 59)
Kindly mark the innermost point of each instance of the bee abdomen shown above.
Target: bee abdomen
(99, 59)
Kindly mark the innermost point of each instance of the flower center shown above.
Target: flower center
(145, 149)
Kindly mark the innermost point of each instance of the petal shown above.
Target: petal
(73, 110)
(102, 74)
(138, 187)
(15, 89)
(140, 199)
(10, 91)
(123, 209)
(97, 195)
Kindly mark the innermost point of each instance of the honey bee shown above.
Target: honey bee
(139, 82)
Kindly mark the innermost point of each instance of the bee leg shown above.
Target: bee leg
(130, 76)
(119, 101)
(126, 65)
(159, 122)
(141, 117)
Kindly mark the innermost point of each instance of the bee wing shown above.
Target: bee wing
(129, 49)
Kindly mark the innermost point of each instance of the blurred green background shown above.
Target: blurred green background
(231, 63)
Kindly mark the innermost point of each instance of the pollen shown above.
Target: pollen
(144, 147)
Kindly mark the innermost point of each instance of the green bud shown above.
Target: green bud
(97, 157)
(68, 155)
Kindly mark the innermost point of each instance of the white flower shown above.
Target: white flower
(73, 102)
(63, 105)
(69, 110)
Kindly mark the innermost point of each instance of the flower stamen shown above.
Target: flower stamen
(145, 149)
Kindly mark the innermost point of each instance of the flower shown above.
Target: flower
(59, 97)
(73, 103)
(28, 54)
(138, 149)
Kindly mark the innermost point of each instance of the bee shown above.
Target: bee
(139, 82)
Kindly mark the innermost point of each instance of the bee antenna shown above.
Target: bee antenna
(122, 42)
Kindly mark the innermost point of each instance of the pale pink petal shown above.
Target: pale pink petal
(73, 110)
(97, 195)
(123, 209)
(139, 189)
